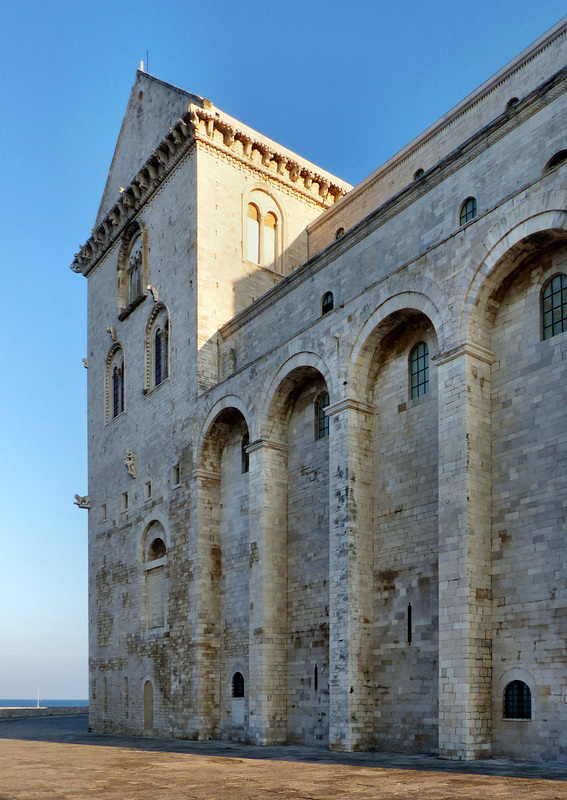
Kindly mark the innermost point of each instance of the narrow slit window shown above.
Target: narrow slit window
(270, 240)
(322, 420)
(409, 624)
(244, 453)
(158, 352)
(238, 685)
(554, 306)
(419, 370)
(253, 234)
(316, 678)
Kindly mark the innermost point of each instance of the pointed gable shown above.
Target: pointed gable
(152, 108)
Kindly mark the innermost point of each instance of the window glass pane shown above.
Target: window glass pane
(554, 306)
(322, 418)
(419, 370)
(253, 251)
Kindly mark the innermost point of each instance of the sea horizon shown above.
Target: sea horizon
(19, 703)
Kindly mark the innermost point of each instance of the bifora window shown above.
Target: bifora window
(321, 418)
(468, 211)
(419, 370)
(554, 306)
(517, 701)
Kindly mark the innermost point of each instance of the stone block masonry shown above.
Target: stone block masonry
(333, 524)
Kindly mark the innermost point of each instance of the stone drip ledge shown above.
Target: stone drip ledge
(8, 712)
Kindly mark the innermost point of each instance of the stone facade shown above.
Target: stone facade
(289, 543)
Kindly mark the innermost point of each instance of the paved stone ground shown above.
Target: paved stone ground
(56, 758)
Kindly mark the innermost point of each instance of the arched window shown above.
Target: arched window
(245, 456)
(161, 351)
(157, 347)
(555, 161)
(419, 370)
(132, 269)
(517, 701)
(327, 303)
(155, 585)
(468, 211)
(114, 382)
(118, 390)
(253, 234)
(418, 173)
(148, 708)
(270, 240)
(135, 269)
(238, 685)
(554, 306)
(321, 418)
(513, 101)
(340, 232)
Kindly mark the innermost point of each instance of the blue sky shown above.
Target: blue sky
(344, 85)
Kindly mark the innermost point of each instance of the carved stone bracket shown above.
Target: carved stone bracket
(82, 501)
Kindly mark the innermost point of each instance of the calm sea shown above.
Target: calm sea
(31, 703)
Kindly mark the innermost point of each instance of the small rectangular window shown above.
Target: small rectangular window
(176, 474)
(124, 502)
(103, 512)
(148, 490)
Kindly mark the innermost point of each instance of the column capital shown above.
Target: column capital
(261, 443)
(205, 474)
(464, 349)
(350, 404)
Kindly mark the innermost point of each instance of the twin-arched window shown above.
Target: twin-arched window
(131, 269)
(262, 232)
(157, 347)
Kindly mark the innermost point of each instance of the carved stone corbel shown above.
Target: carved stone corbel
(82, 501)
(112, 332)
(266, 157)
(294, 171)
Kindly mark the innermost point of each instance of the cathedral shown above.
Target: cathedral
(327, 430)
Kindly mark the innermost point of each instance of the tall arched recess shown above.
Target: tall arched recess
(296, 444)
(223, 582)
(505, 312)
(392, 372)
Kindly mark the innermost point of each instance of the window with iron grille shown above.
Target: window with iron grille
(517, 701)
(468, 211)
(554, 306)
(419, 370)
(321, 418)
(238, 685)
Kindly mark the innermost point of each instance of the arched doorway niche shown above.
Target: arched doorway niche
(295, 426)
(392, 371)
(505, 312)
(224, 582)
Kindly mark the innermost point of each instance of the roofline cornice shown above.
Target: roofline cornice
(464, 153)
(441, 125)
(203, 125)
